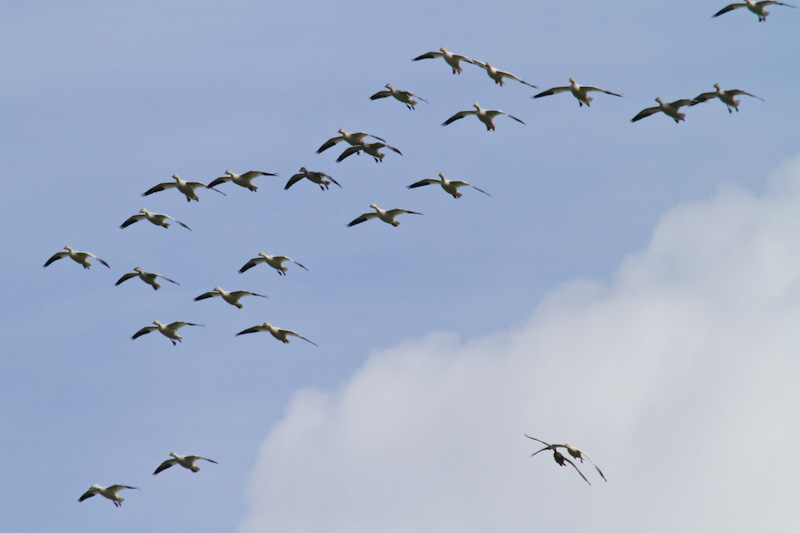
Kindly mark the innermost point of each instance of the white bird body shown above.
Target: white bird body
(407, 97)
(243, 180)
(170, 331)
(280, 334)
(151, 278)
(372, 149)
(159, 219)
(758, 8)
(231, 297)
(498, 75)
(450, 58)
(451, 187)
(581, 92)
(187, 188)
(671, 109)
(387, 216)
(320, 178)
(186, 461)
(353, 139)
(726, 97)
(275, 261)
(107, 492)
(82, 258)
(484, 115)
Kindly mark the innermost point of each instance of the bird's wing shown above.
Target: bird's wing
(777, 4)
(703, 97)
(56, 256)
(330, 178)
(371, 135)
(96, 258)
(284, 258)
(509, 75)
(542, 450)
(395, 212)
(392, 148)
(250, 264)
(254, 329)
(380, 94)
(584, 454)
(362, 218)
(179, 222)
(465, 184)
(88, 494)
(131, 220)
(645, 113)
(117, 488)
(330, 142)
(348, 152)
(738, 92)
(729, 7)
(599, 90)
(480, 64)
(288, 332)
(159, 187)
(549, 92)
(463, 58)
(250, 174)
(207, 295)
(239, 294)
(510, 116)
(539, 440)
(578, 470)
(294, 179)
(166, 278)
(677, 104)
(209, 187)
(166, 464)
(179, 325)
(459, 115)
(429, 55)
(126, 277)
(144, 331)
(422, 183)
(218, 181)
(196, 457)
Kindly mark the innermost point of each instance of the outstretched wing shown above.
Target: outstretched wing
(422, 183)
(144, 331)
(348, 152)
(254, 329)
(295, 334)
(131, 220)
(56, 257)
(166, 464)
(362, 218)
(380, 94)
(159, 187)
(645, 113)
(729, 7)
(465, 184)
(548, 92)
(126, 277)
(218, 181)
(457, 116)
(250, 264)
(330, 142)
(429, 55)
(206, 295)
(704, 97)
(577, 470)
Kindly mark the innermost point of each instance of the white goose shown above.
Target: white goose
(170, 331)
(484, 115)
(671, 110)
(451, 59)
(107, 492)
(158, 219)
(148, 277)
(186, 461)
(320, 178)
(82, 258)
(387, 216)
(243, 180)
(370, 148)
(187, 188)
(230, 297)
(407, 97)
(726, 97)
(275, 261)
(498, 75)
(573, 451)
(451, 187)
(350, 138)
(578, 91)
(755, 7)
(280, 334)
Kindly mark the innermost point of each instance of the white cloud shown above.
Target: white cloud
(679, 377)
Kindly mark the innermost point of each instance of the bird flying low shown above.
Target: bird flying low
(484, 115)
(407, 97)
(147, 277)
(370, 148)
(353, 139)
(82, 258)
(278, 333)
(243, 180)
(451, 187)
(170, 331)
(107, 492)
(578, 91)
(387, 216)
(186, 461)
(498, 75)
(726, 97)
(755, 7)
(320, 178)
(230, 297)
(671, 110)
(275, 261)
(187, 188)
(573, 451)
(158, 219)
(451, 59)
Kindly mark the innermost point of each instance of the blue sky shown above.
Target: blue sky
(602, 242)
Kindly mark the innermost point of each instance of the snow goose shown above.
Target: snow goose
(230, 297)
(370, 148)
(158, 219)
(243, 180)
(107, 492)
(81, 258)
(671, 110)
(170, 331)
(484, 115)
(350, 138)
(578, 91)
(572, 450)
(561, 460)
(386, 216)
(278, 333)
(407, 97)
(755, 7)
(451, 187)
(727, 97)
(498, 75)
(186, 461)
(320, 178)
(185, 187)
(147, 277)
(275, 261)
(451, 59)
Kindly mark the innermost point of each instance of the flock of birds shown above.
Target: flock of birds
(357, 143)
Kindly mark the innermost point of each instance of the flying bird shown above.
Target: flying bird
(275, 261)
(170, 331)
(158, 219)
(451, 187)
(230, 297)
(755, 7)
(671, 110)
(578, 91)
(387, 216)
(407, 97)
(278, 333)
(187, 188)
(561, 460)
(484, 115)
(186, 461)
(451, 59)
(81, 258)
(498, 75)
(243, 180)
(372, 149)
(726, 97)
(107, 492)
(148, 277)
(320, 178)
(350, 138)
(572, 450)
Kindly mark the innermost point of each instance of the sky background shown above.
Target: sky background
(633, 289)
